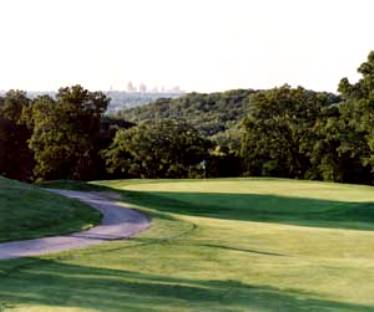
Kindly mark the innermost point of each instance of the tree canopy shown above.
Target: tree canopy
(16, 159)
(278, 133)
(155, 150)
(65, 133)
(210, 114)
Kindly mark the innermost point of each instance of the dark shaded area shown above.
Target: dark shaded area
(73, 185)
(259, 208)
(52, 283)
(16, 159)
(225, 165)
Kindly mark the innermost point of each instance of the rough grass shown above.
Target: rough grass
(29, 212)
(216, 245)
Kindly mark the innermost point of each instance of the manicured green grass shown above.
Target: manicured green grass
(216, 245)
(29, 212)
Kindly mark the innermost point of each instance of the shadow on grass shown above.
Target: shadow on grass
(259, 208)
(55, 284)
(246, 207)
(72, 185)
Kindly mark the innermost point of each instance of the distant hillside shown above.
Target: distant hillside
(211, 114)
(120, 99)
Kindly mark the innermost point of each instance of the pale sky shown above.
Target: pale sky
(200, 45)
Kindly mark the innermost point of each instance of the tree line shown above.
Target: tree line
(283, 132)
(301, 134)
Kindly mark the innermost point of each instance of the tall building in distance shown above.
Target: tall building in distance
(132, 87)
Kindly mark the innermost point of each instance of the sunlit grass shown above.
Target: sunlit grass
(209, 249)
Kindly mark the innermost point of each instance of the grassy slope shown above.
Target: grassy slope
(206, 252)
(28, 212)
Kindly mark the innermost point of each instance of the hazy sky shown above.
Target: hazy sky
(202, 45)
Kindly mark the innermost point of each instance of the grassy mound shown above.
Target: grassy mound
(27, 211)
(215, 245)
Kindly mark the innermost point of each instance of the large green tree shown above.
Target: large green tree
(65, 133)
(16, 159)
(329, 159)
(158, 149)
(278, 135)
(357, 114)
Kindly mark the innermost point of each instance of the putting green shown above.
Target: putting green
(216, 245)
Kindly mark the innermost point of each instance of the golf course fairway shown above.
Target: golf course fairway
(213, 245)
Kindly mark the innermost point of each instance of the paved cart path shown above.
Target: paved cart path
(117, 223)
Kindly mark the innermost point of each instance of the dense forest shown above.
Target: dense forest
(283, 132)
(209, 113)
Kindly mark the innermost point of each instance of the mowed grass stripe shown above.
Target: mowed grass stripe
(206, 254)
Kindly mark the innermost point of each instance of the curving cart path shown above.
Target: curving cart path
(117, 223)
